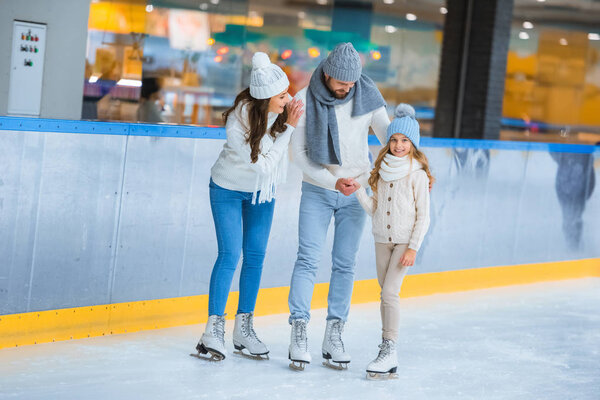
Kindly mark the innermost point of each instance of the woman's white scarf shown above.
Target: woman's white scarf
(394, 168)
(265, 187)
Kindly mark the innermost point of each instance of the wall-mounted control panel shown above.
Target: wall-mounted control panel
(27, 68)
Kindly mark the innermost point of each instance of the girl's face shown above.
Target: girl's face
(277, 103)
(400, 145)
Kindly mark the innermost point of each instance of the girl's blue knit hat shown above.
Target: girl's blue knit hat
(405, 122)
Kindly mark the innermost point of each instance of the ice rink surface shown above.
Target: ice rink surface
(537, 341)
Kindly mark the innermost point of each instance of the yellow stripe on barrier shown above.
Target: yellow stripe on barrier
(82, 322)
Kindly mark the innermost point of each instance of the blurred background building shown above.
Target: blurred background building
(546, 53)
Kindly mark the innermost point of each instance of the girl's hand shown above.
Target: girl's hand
(408, 258)
(295, 111)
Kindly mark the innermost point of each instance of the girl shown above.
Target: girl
(400, 213)
(242, 197)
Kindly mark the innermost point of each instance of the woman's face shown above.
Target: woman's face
(400, 145)
(277, 103)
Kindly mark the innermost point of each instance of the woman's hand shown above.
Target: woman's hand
(408, 258)
(295, 111)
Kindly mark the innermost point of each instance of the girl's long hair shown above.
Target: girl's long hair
(414, 154)
(258, 110)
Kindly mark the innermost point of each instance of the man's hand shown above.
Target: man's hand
(345, 186)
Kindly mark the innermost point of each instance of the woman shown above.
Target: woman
(242, 197)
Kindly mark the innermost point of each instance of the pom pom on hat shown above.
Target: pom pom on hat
(405, 122)
(266, 79)
(404, 110)
(260, 60)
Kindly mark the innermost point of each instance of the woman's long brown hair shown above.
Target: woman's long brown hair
(257, 117)
(414, 153)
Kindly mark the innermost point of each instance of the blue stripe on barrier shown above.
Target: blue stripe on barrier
(109, 128)
(500, 145)
(182, 131)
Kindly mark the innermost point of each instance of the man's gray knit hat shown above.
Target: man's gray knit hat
(266, 79)
(343, 63)
(405, 122)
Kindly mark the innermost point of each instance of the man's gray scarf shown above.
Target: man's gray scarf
(322, 137)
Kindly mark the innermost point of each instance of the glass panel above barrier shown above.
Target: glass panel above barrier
(552, 88)
(183, 62)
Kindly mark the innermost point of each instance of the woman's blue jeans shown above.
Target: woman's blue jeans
(241, 227)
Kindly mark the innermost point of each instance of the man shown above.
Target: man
(330, 145)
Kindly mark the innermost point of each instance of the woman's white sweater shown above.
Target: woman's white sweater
(399, 209)
(234, 169)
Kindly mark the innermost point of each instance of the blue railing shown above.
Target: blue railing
(198, 132)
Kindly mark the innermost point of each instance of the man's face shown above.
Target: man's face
(339, 89)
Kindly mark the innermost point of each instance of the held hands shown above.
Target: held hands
(295, 111)
(346, 186)
(408, 258)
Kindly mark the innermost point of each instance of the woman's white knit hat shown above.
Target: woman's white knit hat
(266, 79)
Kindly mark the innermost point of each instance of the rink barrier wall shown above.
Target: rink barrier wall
(104, 226)
(102, 320)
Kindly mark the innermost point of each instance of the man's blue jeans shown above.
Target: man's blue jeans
(317, 206)
(240, 227)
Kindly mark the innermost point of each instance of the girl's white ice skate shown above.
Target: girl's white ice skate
(298, 352)
(333, 350)
(245, 341)
(213, 339)
(386, 363)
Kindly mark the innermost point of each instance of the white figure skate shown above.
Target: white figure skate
(213, 339)
(298, 351)
(245, 341)
(386, 364)
(334, 353)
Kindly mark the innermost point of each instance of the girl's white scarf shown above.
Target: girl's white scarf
(266, 185)
(394, 168)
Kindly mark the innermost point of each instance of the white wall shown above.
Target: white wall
(64, 65)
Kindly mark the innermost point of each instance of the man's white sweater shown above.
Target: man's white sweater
(354, 147)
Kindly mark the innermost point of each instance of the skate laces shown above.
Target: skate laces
(218, 329)
(384, 350)
(335, 338)
(300, 334)
(248, 328)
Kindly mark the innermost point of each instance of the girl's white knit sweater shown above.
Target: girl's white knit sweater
(234, 169)
(399, 209)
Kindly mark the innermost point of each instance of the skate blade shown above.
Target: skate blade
(259, 357)
(207, 354)
(297, 365)
(212, 358)
(381, 376)
(338, 366)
